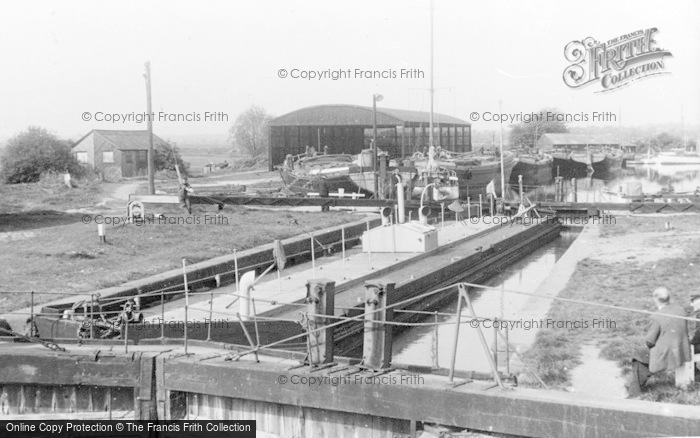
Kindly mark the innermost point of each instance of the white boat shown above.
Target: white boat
(677, 156)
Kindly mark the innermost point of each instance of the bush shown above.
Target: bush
(30, 153)
(165, 157)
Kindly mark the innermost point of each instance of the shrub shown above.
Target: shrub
(30, 153)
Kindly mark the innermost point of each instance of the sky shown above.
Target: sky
(64, 59)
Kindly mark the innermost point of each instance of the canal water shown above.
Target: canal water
(424, 345)
(653, 179)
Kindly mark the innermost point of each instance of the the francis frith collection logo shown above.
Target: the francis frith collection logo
(615, 63)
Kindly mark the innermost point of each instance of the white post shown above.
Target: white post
(401, 208)
(101, 233)
(469, 207)
(480, 207)
(247, 281)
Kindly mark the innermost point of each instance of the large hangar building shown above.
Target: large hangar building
(348, 129)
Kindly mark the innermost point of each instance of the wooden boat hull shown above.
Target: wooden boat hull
(611, 163)
(305, 183)
(475, 173)
(536, 170)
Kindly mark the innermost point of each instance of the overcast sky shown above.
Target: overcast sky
(61, 59)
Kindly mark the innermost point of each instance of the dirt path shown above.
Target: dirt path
(123, 191)
(597, 377)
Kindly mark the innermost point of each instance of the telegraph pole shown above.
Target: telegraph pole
(432, 89)
(149, 110)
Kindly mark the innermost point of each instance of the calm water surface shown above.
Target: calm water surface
(418, 345)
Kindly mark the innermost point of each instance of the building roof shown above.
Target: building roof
(354, 115)
(582, 139)
(126, 140)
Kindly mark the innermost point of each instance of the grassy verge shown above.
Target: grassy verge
(58, 253)
(628, 283)
(49, 194)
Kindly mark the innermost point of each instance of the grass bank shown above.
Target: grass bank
(49, 194)
(59, 253)
(632, 257)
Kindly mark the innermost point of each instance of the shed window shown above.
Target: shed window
(108, 157)
(143, 155)
(129, 157)
(82, 157)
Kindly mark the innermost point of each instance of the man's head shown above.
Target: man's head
(661, 296)
(695, 302)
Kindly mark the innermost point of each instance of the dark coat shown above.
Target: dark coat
(696, 333)
(669, 337)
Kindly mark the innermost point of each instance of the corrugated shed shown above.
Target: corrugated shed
(354, 115)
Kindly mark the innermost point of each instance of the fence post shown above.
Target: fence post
(377, 335)
(320, 301)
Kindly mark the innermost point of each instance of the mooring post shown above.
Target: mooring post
(520, 188)
(320, 301)
(481, 207)
(574, 190)
(377, 335)
(469, 207)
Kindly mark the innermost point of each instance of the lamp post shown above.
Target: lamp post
(375, 98)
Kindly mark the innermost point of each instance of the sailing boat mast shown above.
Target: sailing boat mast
(503, 172)
(432, 90)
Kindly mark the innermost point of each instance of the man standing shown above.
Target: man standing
(183, 195)
(491, 195)
(666, 341)
(695, 331)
